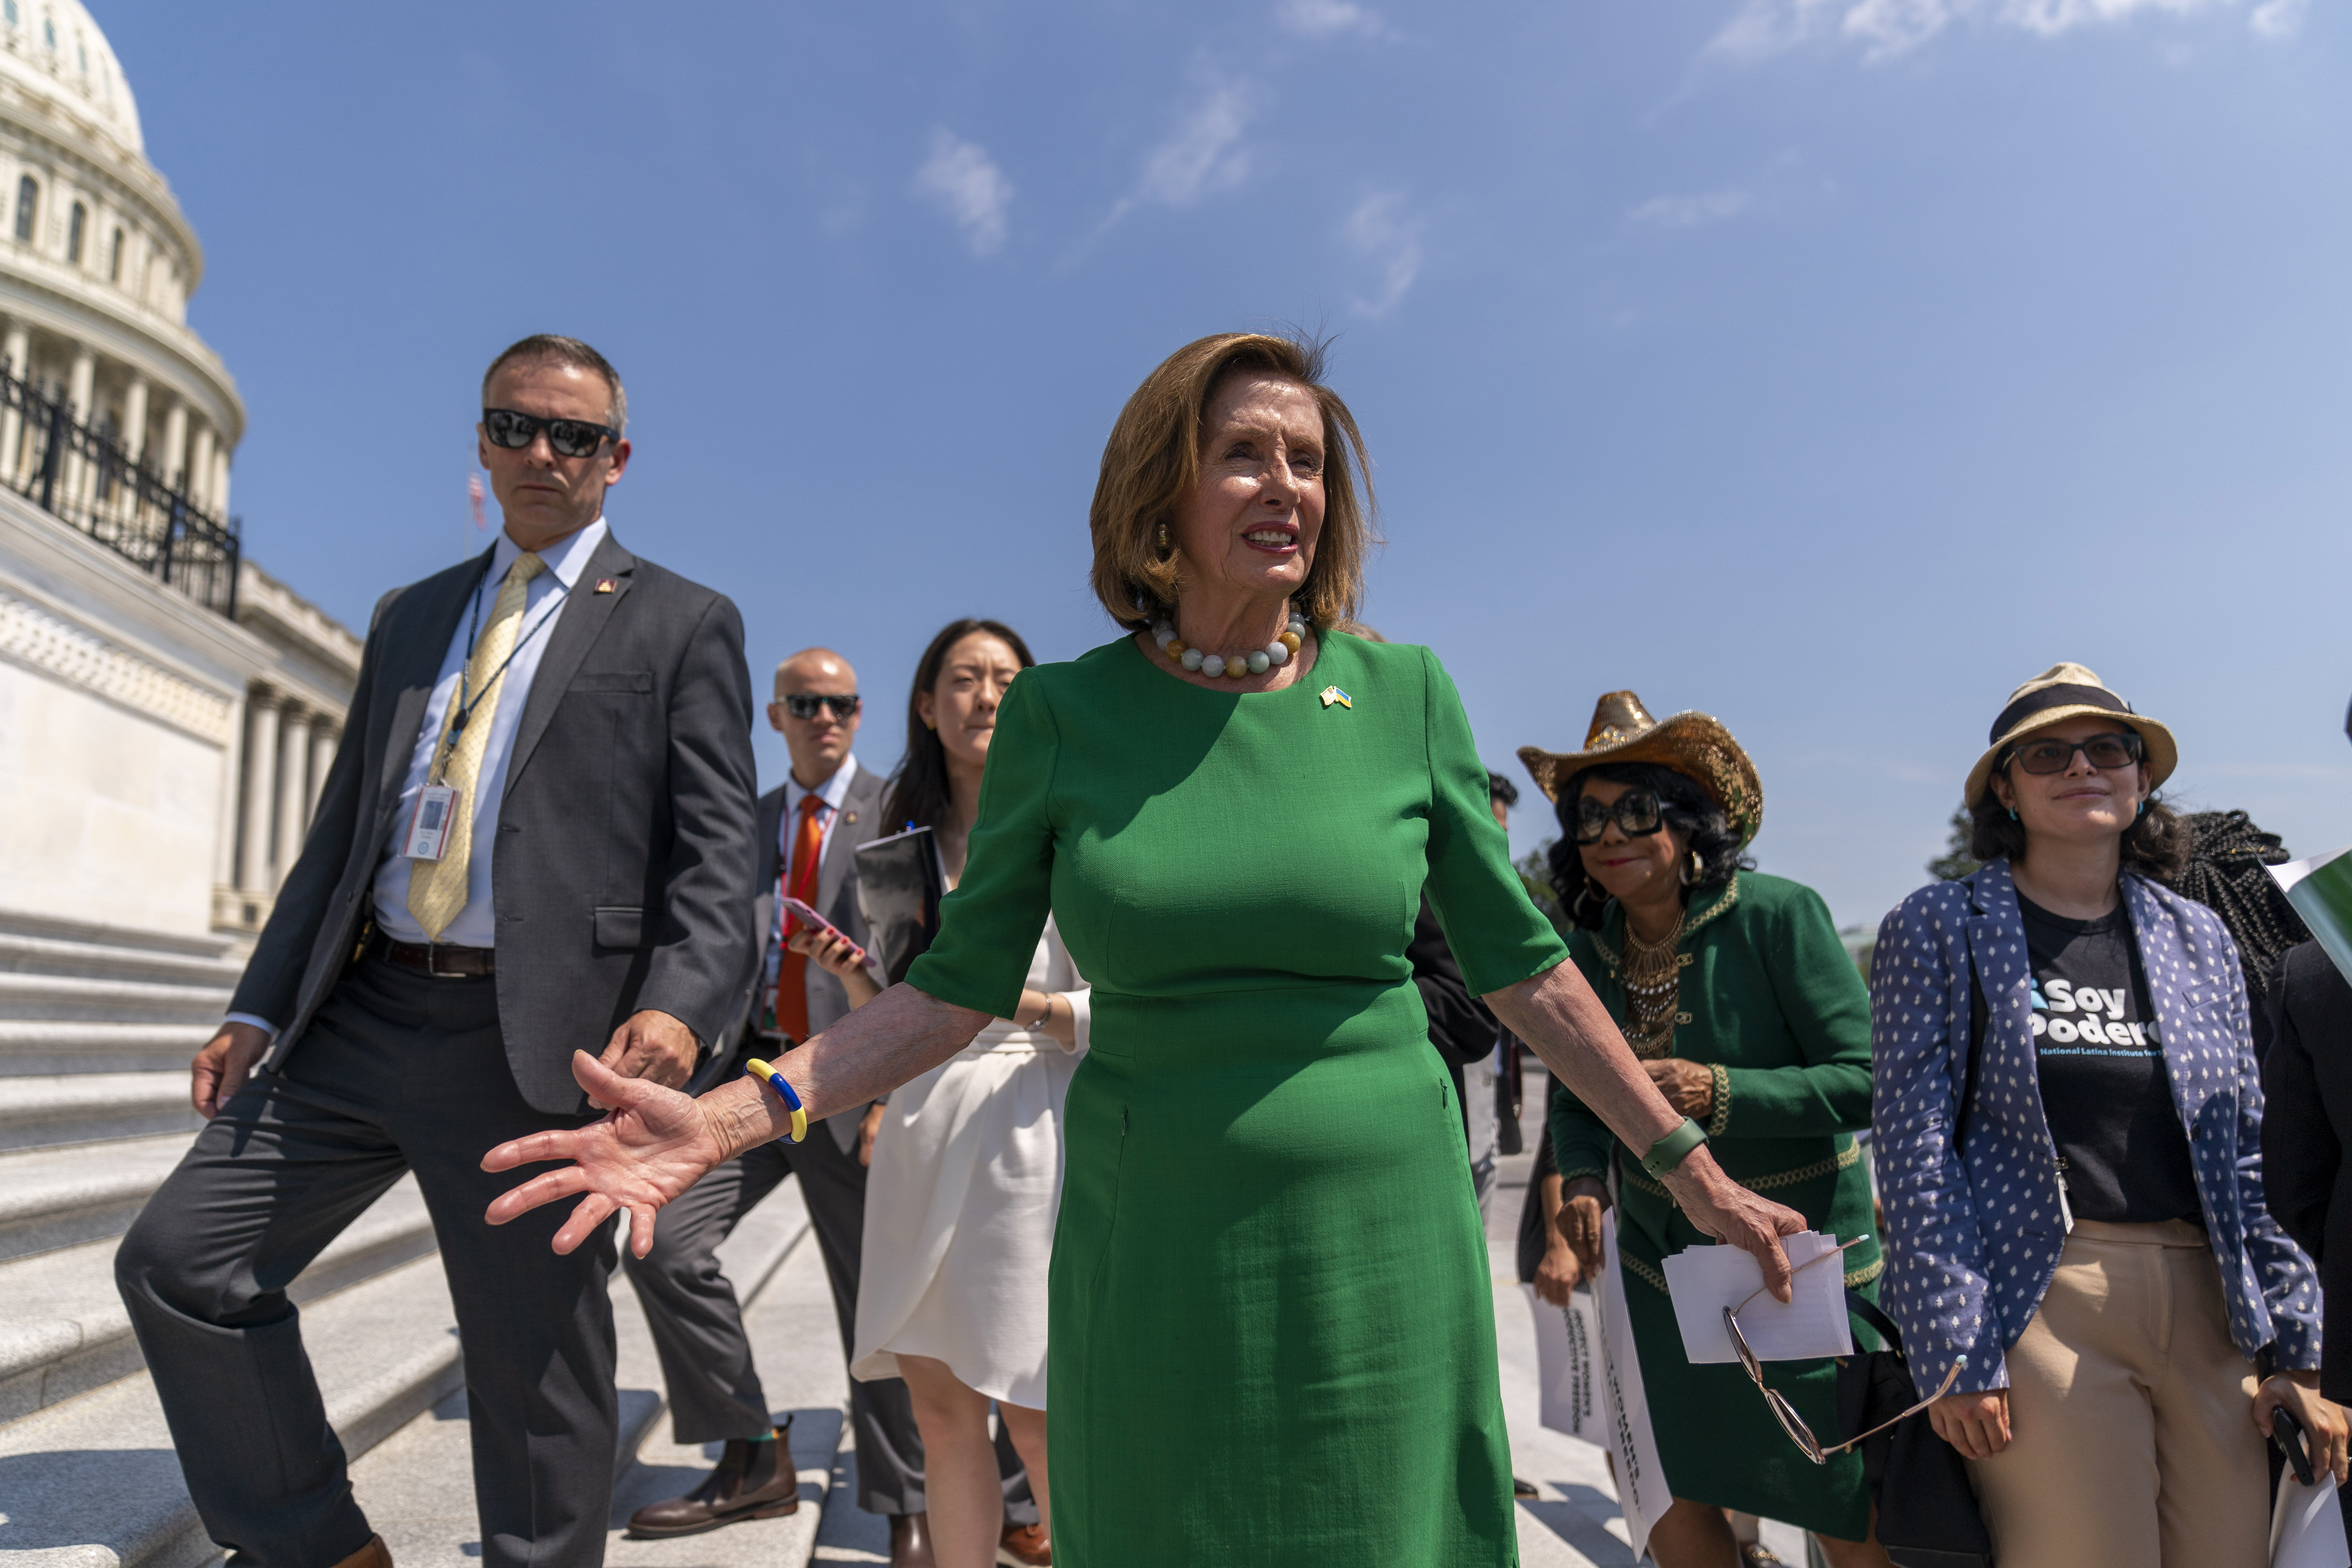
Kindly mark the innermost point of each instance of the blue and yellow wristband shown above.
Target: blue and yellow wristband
(755, 1068)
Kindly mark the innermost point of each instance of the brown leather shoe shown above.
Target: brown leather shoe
(754, 1480)
(375, 1554)
(1024, 1546)
(910, 1541)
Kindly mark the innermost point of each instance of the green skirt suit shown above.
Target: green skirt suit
(1772, 1003)
(1272, 1332)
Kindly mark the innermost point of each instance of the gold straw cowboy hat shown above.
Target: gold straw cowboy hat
(1693, 744)
(2061, 692)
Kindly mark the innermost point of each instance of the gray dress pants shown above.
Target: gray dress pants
(398, 1072)
(697, 1326)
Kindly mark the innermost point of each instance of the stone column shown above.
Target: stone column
(293, 790)
(134, 419)
(73, 472)
(220, 484)
(175, 440)
(18, 349)
(324, 733)
(230, 814)
(200, 468)
(260, 791)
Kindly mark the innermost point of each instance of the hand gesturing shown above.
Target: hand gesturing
(654, 1144)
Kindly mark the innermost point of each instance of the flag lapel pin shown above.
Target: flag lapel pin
(1332, 694)
(606, 585)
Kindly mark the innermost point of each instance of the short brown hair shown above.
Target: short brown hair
(550, 348)
(1153, 456)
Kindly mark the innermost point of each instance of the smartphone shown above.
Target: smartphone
(809, 916)
(2287, 1433)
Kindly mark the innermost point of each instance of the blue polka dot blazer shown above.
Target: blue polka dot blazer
(1970, 1252)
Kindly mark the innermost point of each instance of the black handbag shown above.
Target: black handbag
(1928, 1515)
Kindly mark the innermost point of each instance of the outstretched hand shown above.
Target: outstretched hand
(1731, 1213)
(649, 1148)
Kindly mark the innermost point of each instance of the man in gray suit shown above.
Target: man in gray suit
(808, 831)
(536, 837)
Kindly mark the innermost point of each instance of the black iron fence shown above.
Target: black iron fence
(85, 477)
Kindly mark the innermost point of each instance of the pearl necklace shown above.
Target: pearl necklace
(1277, 652)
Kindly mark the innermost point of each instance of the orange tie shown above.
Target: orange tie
(798, 881)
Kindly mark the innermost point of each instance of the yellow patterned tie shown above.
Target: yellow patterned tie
(436, 889)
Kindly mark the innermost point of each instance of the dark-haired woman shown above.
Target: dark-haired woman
(1734, 990)
(2069, 1132)
(967, 1161)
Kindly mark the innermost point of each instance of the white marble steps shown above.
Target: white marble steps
(65, 1331)
(76, 998)
(418, 1490)
(62, 1197)
(42, 1046)
(101, 954)
(62, 1109)
(94, 1483)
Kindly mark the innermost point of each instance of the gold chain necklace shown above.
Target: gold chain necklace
(1653, 989)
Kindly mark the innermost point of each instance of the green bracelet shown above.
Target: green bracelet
(1673, 1149)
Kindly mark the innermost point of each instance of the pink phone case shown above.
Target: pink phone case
(809, 916)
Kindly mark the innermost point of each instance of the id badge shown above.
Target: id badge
(428, 827)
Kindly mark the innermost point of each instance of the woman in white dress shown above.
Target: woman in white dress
(967, 1169)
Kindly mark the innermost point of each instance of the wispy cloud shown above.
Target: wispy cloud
(962, 180)
(1691, 212)
(1329, 18)
(1204, 154)
(1886, 28)
(1386, 233)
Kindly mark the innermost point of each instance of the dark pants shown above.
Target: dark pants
(697, 1326)
(398, 1072)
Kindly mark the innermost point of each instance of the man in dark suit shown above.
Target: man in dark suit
(805, 845)
(536, 837)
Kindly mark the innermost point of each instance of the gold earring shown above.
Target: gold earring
(1163, 539)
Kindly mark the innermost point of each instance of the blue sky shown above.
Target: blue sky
(1828, 365)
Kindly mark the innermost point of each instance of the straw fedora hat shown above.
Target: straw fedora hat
(2061, 692)
(1693, 744)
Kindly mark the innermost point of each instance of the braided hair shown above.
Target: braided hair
(2226, 872)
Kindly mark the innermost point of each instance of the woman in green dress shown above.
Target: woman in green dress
(1271, 1335)
(1734, 990)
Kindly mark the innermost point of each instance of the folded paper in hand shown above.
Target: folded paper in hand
(1706, 1279)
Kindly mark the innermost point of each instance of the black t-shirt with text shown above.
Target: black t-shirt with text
(2121, 1147)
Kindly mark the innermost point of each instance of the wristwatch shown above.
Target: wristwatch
(1673, 1149)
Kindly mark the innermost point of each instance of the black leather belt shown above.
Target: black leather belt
(441, 961)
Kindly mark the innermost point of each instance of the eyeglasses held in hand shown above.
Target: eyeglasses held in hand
(1786, 1413)
(2056, 756)
(804, 704)
(1636, 811)
(566, 437)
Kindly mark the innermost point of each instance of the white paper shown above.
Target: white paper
(1641, 1493)
(2307, 1527)
(1706, 1279)
(1568, 1365)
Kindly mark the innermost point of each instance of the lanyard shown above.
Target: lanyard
(466, 706)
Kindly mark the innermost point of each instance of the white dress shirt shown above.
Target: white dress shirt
(833, 792)
(543, 602)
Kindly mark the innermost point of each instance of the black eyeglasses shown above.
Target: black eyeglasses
(1785, 1413)
(1636, 811)
(568, 438)
(2056, 756)
(804, 704)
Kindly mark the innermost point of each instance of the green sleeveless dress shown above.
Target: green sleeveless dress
(1272, 1325)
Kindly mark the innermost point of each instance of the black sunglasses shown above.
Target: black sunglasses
(804, 704)
(568, 438)
(2056, 756)
(1636, 811)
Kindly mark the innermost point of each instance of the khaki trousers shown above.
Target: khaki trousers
(2133, 1438)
